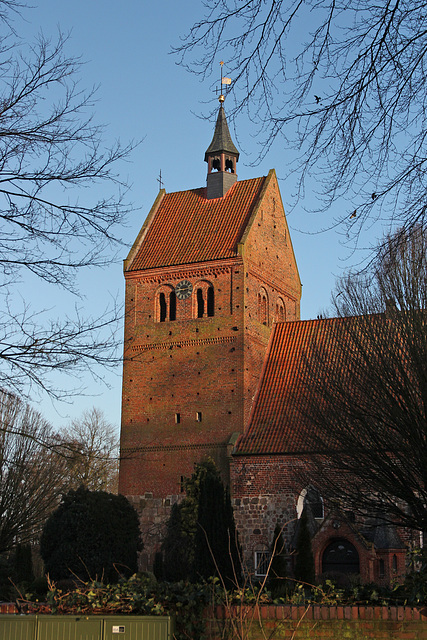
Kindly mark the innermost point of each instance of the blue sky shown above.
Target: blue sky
(143, 94)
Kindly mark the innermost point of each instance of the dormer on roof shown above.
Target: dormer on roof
(221, 156)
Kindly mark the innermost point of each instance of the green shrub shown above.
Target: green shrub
(140, 595)
(201, 539)
(23, 564)
(304, 565)
(277, 582)
(92, 534)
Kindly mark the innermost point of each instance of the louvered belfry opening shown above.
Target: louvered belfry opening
(221, 156)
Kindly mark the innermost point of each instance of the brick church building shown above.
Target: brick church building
(213, 346)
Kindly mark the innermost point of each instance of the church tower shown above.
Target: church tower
(210, 271)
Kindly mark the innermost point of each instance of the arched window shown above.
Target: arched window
(162, 307)
(311, 497)
(203, 300)
(165, 302)
(280, 310)
(172, 305)
(200, 304)
(394, 563)
(340, 557)
(263, 306)
(211, 302)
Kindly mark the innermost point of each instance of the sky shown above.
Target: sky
(143, 94)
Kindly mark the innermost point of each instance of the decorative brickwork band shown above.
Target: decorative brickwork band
(175, 447)
(163, 346)
(175, 274)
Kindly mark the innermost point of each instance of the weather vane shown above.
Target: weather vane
(224, 81)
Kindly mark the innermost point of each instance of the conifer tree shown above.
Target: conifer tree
(23, 564)
(201, 539)
(176, 548)
(216, 546)
(304, 566)
(278, 573)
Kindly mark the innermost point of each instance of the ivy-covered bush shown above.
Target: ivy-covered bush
(143, 595)
(139, 595)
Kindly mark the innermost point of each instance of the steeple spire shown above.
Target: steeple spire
(221, 156)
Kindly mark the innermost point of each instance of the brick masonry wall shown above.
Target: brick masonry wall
(193, 366)
(265, 491)
(209, 365)
(322, 623)
(314, 623)
(8, 607)
(180, 367)
(270, 269)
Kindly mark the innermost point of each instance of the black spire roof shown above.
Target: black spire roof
(221, 141)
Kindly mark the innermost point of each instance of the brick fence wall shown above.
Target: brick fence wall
(8, 607)
(314, 622)
(321, 623)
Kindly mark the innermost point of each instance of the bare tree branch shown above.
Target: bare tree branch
(350, 96)
(368, 376)
(32, 348)
(30, 473)
(50, 149)
(90, 446)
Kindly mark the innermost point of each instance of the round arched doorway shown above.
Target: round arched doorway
(340, 558)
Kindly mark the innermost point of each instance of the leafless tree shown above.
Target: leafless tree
(90, 446)
(50, 148)
(368, 386)
(349, 93)
(30, 472)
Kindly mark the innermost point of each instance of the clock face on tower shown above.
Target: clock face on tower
(183, 289)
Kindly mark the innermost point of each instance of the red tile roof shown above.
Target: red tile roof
(188, 228)
(280, 421)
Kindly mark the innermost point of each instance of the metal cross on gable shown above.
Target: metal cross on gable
(160, 181)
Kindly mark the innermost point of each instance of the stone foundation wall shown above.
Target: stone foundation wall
(153, 515)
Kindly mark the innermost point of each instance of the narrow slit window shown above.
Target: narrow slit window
(177, 418)
(163, 307)
(394, 563)
(264, 309)
(200, 304)
(172, 306)
(211, 302)
(198, 416)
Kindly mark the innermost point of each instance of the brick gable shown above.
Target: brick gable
(185, 227)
